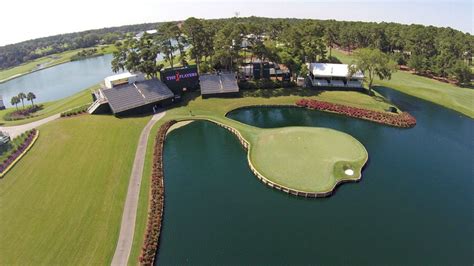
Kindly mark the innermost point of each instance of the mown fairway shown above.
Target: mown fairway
(62, 203)
(447, 95)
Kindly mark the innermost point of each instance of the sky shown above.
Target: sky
(22, 20)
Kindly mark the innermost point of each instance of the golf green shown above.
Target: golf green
(307, 160)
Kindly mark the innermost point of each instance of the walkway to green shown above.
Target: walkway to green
(127, 227)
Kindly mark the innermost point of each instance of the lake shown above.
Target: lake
(59, 81)
(413, 205)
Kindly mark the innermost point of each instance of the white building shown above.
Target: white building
(123, 78)
(334, 75)
(139, 35)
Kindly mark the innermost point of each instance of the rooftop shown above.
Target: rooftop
(333, 70)
(218, 83)
(120, 76)
(129, 96)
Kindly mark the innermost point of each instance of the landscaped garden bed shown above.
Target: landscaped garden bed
(23, 113)
(155, 206)
(403, 119)
(20, 147)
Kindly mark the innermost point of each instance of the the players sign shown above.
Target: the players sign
(178, 79)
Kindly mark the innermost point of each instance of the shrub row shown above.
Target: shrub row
(76, 111)
(264, 84)
(17, 151)
(155, 206)
(398, 120)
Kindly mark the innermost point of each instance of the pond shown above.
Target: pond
(59, 81)
(413, 205)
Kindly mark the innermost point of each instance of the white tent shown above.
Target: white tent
(326, 70)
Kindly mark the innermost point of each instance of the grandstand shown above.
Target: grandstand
(138, 97)
(334, 75)
(218, 84)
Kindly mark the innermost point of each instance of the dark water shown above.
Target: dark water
(414, 204)
(60, 81)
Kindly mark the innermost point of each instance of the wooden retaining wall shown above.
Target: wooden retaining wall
(156, 195)
(272, 184)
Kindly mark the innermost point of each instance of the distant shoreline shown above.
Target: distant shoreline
(32, 71)
(48, 65)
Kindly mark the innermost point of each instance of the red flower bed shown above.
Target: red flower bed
(155, 211)
(398, 120)
(18, 151)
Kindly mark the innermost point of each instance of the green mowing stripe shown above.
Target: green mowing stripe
(62, 203)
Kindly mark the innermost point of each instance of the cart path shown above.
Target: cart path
(14, 131)
(127, 228)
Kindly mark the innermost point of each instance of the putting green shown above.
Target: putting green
(307, 159)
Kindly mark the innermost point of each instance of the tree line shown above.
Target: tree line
(16, 54)
(15, 100)
(217, 44)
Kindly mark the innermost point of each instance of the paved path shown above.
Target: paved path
(127, 228)
(14, 131)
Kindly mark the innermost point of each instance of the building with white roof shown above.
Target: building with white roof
(334, 75)
(123, 78)
(149, 32)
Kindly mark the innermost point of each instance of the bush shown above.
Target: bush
(462, 73)
(398, 120)
(23, 141)
(22, 113)
(264, 84)
(75, 111)
(155, 205)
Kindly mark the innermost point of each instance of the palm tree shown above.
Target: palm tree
(15, 101)
(21, 97)
(30, 97)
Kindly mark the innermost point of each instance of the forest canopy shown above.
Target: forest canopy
(444, 52)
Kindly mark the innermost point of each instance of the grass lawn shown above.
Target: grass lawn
(305, 158)
(50, 108)
(447, 95)
(62, 203)
(46, 61)
(215, 109)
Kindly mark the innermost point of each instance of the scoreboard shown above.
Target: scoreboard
(181, 79)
